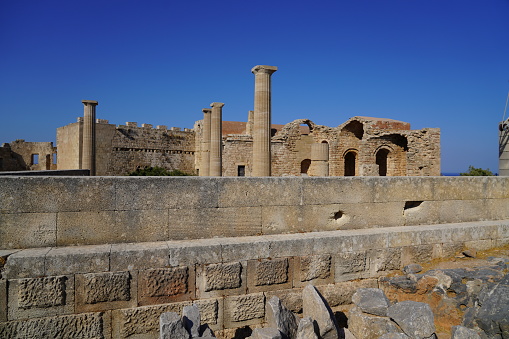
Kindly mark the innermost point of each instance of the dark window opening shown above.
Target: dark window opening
(241, 171)
(35, 159)
(304, 166)
(381, 161)
(350, 164)
(48, 161)
(1, 164)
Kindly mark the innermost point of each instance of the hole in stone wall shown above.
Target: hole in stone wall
(338, 215)
(412, 204)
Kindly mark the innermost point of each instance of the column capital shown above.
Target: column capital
(217, 104)
(206, 110)
(263, 69)
(89, 102)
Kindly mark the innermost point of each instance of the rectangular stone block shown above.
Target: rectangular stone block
(105, 291)
(247, 192)
(315, 269)
(341, 293)
(481, 245)
(217, 280)
(290, 298)
(421, 213)
(351, 265)
(459, 188)
(244, 310)
(86, 228)
(137, 256)
(56, 194)
(85, 325)
(384, 260)
(368, 215)
(497, 188)
(453, 211)
(83, 259)
(159, 193)
(419, 254)
(194, 252)
(141, 322)
(451, 249)
(502, 229)
(26, 263)
(245, 248)
(402, 236)
(141, 226)
(348, 190)
(40, 297)
(497, 208)
(403, 189)
(363, 239)
(269, 274)
(214, 222)
(211, 312)
(28, 230)
(473, 231)
(163, 285)
(288, 245)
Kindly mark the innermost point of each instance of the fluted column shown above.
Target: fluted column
(320, 159)
(88, 154)
(216, 139)
(205, 143)
(262, 120)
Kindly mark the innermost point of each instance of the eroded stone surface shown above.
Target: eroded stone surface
(247, 307)
(315, 307)
(365, 326)
(85, 325)
(222, 276)
(306, 329)
(269, 272)
(172, 327)
(266, 333)
(278, 316)
(414, 318)
(372, 301)
(208, 311)
(41, 292)
(191, 319)
(315, 267)
(145, 319)
(108, 286)
(164, 282)
(351, 262)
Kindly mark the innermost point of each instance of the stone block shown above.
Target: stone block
(459, 188)
(496, 209)
(220, 279)
(368, 215)
(351, 265)
(403, 236)
(481, 245)
(341, 293)
(473, 231)
(502, 229)
(56, 194)
(141, 226)
(403, 188)
(3, 300)
(245, 248)
(40, 297)
(194, 252)
(194, 223)
(137, 256)
(451, 249)
(365, 239)
(384, 260)
(172, 326)
(86, 228)
(290, 298)
(211, 312)
(39, 230)
(159, 193)
(247, 192)
(105, 291)
(421, 213)
(269, 274)
(431, 234)
(317, 269)
(416, 254)
(26, 263)
(288, 245)
(83, 259)
(348, 190)
(453, 211)
(497, 188)
(163, 285)
(141, 322)
(84, 325)
(365, 326)
(244, 310)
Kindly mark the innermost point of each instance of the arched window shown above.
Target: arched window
(381, 161)
(350, 159)
(304, 166)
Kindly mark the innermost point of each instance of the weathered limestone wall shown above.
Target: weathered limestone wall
(119, 290)
(98, 210)
(19, 156)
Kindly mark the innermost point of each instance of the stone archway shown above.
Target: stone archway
(304, 166)
(382, 156)
(350, 158)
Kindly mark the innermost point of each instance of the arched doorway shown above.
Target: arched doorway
(381, 161)
(350, 159)
(304, 166)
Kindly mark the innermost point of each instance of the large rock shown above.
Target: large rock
(394, 336)
(415, 318)
(316, 307)
(372, 301)
(493, 315)
(172, 327)
(266, 333)
(278, 316)
(306, 329)
(366, 326)
(191, 319)
(462, 332)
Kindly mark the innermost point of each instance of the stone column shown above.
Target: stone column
(320, 159)
(205, 143)
(503, 148)
(262, 120)
(216, 139)
(88, 154)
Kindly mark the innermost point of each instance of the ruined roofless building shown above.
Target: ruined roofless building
(361, 146)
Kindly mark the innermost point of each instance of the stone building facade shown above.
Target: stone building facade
(21, 155)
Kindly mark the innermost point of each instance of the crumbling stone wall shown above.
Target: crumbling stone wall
(21, 155)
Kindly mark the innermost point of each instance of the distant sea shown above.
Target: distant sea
(450, 174)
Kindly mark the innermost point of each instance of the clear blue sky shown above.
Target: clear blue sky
(433, 63)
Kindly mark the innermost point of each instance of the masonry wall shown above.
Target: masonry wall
(67, 211)
(21, 155)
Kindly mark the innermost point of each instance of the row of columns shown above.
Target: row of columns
(211, 145)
